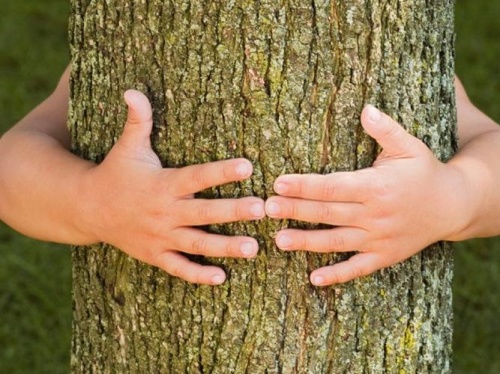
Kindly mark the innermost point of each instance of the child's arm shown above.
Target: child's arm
(128, 200)
(403, 203)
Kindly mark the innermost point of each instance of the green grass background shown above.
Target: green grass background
(35, 278)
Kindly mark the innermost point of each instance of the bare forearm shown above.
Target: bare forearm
(477, 162)
(129, 200)
(405, 201)
(39, 177)
(39, 186)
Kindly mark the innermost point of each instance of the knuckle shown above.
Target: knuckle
(204, 213)
(391, 129)
(227, 171)
(334, 278)
(200, 177)
(327, 189)
(304, 242)
(199, 246)
(394, 131)
(336, 242)
(132, 122)
(229, 249)
(196, 278)
(294, 210)
(356, 271)
(155, 259)
(240, 210)
(325, 213)
(298, 187)
(175, 269)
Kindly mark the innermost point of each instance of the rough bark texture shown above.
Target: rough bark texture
(281, 83)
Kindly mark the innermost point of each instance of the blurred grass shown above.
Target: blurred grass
(35, 305)
(35, 278)
(476, 340)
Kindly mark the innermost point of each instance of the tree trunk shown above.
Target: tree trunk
(281, 83)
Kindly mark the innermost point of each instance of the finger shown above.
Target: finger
(337, 214)
(339, 239)
(179, 266)
(198, 212)
(391, 136)
(341, 186)
(137, 130)
(198, 242)
(195, 178)
(359, 265)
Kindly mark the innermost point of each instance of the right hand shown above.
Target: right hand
(150, 212)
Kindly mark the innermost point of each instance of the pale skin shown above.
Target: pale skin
(387, 213)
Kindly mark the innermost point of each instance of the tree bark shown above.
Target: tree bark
(281, 83)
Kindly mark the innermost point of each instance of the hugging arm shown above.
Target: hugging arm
(406, 201)
(128, 200)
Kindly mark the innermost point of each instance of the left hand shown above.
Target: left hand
(388, 212)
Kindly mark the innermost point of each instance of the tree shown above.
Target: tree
(281, 83)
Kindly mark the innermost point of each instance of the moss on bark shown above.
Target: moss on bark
(281, 83)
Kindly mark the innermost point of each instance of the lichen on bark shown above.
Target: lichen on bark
(281, 83)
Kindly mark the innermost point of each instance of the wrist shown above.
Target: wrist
(470, 181)
(85, 210)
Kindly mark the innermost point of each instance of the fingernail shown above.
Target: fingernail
(218, 279)
(257, 210)
(373, 113)
(248, 249)
(273, 209)
(243, 169)
(284, 241)
(318, 280)
(281, 187)
(128, 96)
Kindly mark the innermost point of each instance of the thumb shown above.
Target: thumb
(391, 136)
(137, 130)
